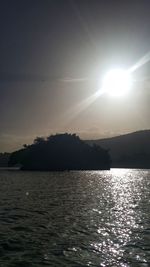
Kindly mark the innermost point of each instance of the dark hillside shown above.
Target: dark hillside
(4, 158)
(130, 150)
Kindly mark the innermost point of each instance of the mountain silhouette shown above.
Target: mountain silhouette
(130, 150)
(4, 159)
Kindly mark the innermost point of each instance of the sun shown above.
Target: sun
(117, 82)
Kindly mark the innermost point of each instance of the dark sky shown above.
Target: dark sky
(53, 55)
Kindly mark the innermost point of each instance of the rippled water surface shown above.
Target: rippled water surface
(75, 218)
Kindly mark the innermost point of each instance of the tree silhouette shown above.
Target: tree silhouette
(61, 152)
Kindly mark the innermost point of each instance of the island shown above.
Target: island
(61, 152)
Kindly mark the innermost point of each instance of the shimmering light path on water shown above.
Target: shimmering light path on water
(75, 218)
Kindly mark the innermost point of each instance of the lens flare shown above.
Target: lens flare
(117, 82)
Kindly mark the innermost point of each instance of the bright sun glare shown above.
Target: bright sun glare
(117, 82)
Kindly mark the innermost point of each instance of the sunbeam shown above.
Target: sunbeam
(83, 105)
(145, 59)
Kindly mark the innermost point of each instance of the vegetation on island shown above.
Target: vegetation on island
(61, 152)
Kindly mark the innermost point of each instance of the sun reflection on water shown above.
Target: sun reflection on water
(98, 218)
(123, 222)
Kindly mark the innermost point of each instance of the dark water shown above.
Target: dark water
(75, 218)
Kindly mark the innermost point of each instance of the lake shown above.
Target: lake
(73, 219)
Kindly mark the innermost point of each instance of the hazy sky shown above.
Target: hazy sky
(53, 55)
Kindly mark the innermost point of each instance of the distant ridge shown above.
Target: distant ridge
(128, 150)
(4, 158)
